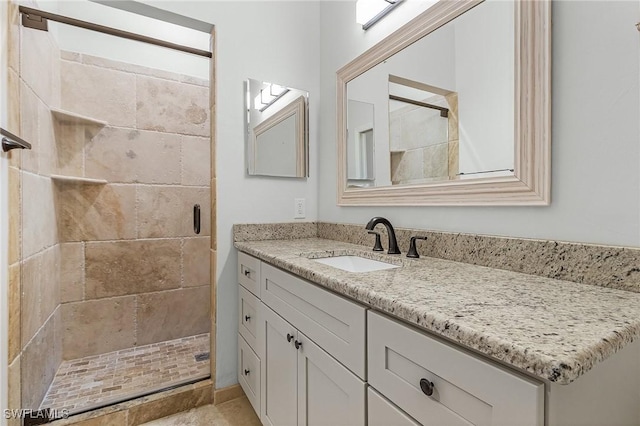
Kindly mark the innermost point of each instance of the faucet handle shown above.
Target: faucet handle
(413, 252)
(378, 245)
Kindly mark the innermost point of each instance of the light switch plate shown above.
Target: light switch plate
(299, 208)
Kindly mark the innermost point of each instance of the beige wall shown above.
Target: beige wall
(35, 338)
(97, 266)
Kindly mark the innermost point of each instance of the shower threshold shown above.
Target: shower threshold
(96, 381)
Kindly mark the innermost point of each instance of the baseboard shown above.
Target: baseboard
(227, 394)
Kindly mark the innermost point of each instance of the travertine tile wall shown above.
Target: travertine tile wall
(424, 147)
(35, 328)
(95, 268)
(135, 271)
(13, 125)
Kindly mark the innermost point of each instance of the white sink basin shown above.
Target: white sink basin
(355, 263)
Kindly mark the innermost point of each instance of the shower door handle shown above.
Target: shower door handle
(196, 218)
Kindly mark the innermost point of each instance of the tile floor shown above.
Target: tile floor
(237, 412)
(98, 380)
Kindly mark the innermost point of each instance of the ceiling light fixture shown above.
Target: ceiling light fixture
(268, 96)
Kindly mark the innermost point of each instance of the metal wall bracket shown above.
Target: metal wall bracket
(37, 22)
(11, 141)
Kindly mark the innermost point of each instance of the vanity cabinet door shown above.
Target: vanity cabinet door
(279, 369)
(439, 384)
(328, 393)
(381, 412)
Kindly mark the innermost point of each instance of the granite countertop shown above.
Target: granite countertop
(556, 330)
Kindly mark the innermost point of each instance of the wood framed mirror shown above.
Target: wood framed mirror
(461, 109)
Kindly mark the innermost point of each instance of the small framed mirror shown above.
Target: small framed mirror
(451, 109)
(277, 132)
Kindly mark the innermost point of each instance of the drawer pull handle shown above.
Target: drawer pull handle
(247, 272)
(247, 317)
(297, 344)
(246, 372)
(289, 338)
(426, 386)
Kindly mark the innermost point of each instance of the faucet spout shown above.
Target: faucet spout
(393, 243)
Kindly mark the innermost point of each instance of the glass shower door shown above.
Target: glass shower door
(115, 281)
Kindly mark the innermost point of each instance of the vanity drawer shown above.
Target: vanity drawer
(332, 322)
(248, 321)
(249, 272)
(249, 373)
(380, 412)
(466, 389)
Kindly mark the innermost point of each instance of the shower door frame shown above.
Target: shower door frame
(4, 219)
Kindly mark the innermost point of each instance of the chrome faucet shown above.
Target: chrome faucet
(393, 243)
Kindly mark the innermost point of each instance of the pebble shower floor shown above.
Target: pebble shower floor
(99, 380)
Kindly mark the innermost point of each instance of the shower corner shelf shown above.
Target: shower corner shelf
(68, 117)
(77, 180)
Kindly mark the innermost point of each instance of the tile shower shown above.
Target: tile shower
(109, 284)
(424, 146)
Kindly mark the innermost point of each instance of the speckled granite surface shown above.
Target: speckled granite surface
(556, 330)
(606, 266)
(274, 231)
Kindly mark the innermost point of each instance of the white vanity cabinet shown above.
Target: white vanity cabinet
(308, 356)
(309, 347)
(302, 383)
(314, 351)
(249, 364)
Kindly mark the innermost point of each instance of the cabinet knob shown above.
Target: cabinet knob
(427, 387)
(289, 337)
(297, 344)
(246, 372)
(247, 317)
(247, 272)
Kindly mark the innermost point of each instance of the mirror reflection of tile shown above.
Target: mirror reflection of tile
(423, 135)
